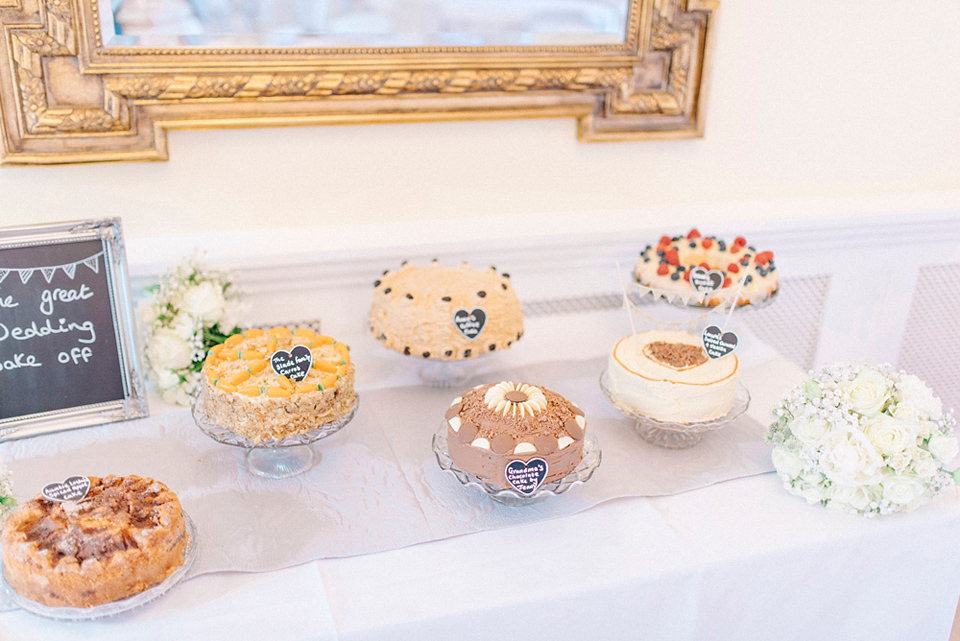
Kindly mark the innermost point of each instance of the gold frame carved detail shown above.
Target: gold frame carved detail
(65, 97)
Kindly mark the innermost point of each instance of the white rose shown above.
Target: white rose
(923, 464)
(901, 460)
(889, 435)
(925, 429)
(848, 458)
(943, 446)
(166, 350)
(813, 493)
(809, 430)
(916, 400)
(166, 378)
(232, 312)
(866, 393)
(847, 496)
(204, 300)
(786, 462)
(184, 325)
(901, 489)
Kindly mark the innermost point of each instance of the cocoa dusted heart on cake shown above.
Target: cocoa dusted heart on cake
(446, 313)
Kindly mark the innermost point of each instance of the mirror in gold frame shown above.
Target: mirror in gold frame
(76, 88)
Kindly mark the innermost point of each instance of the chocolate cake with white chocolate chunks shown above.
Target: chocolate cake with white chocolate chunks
(243, 393)
(126, 535)
(492, 425)
(446, 313)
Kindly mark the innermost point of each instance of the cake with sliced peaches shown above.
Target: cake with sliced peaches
(707, 270)
(493, 426)
(275, 383)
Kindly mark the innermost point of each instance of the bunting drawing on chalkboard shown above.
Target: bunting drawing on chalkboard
(48, 271)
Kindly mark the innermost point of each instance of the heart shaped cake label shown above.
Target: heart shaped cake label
(718, 343)
(705, 280)
(470, 323)
(73, 488)
(294, 364)
(526, 477)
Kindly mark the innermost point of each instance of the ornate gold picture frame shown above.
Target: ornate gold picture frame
(65, 97)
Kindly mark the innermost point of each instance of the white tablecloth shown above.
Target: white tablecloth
(738, 560)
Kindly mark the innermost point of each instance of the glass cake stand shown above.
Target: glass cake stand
(113, 608)
(580, 474)
(696, 301)
(438, 373)
(678, 436)
(271, 458)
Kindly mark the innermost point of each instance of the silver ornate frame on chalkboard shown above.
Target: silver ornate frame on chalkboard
(133, 404)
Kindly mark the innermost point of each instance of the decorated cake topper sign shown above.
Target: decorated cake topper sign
(294, 364)
(718, 343)
(526, 477)
(706, 281)
(470, 324)
(73, 488)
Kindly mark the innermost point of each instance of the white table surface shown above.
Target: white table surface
(740, 560)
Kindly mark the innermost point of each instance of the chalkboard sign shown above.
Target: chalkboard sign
(67, 348)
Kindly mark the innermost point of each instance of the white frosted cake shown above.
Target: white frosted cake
(668, 376)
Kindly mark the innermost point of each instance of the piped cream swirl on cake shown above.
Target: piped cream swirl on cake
(668, 376)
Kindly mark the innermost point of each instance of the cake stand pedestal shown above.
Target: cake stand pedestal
(677, 436)
(275, 459)
(509, 496)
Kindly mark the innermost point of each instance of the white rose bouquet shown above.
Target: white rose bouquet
(6, 493)
(192, 309)
(863, 440)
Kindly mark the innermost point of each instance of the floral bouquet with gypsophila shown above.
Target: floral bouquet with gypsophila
(863, 440)
(192, 309)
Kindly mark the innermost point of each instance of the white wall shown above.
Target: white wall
(815, 108)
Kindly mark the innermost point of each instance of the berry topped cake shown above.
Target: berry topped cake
(496, 429)
(125, 535)
(679, 264)
(446, 313)
(270, 384)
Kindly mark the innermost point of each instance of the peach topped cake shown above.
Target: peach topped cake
(270, 384)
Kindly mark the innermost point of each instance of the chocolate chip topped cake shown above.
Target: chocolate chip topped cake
(446, 313)
(492, 426)
(126, 535)
(271, 384)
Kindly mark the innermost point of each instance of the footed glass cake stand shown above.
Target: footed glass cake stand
(437, 373)
(275, 459)
(678, 436)
(509, 496)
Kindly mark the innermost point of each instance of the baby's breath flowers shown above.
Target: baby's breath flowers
(868, 440)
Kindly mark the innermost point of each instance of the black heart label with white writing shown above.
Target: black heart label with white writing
(718, 343)
(73, 488)
(526, 476)
(705, 280)
(470, 323)
(294, 364)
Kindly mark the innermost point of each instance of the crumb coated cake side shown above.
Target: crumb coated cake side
(244, 394)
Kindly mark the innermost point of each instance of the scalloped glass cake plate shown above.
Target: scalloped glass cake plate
(114, 607)
(696, 299)
(677, 436)
(272, 458)
(580, 474)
